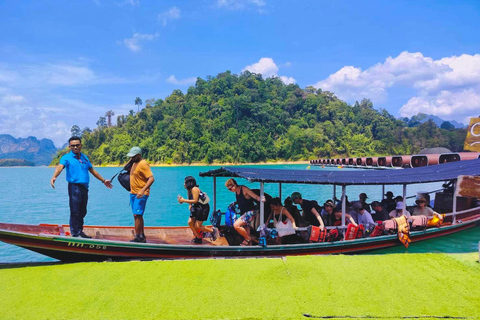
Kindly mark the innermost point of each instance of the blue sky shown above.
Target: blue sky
(67, 62)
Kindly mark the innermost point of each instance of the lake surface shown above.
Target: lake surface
(26, 197)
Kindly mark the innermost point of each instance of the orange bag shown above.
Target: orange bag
(435, 221)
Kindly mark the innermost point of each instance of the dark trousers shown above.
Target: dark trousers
(78, 196)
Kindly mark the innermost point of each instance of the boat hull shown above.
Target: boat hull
(45, 240)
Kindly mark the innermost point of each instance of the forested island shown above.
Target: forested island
(15, 163)
(247, 119)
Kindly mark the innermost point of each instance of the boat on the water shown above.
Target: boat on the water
(112, 243)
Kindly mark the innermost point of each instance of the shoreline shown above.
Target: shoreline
(201, 164)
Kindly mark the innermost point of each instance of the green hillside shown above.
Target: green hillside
(245, 118)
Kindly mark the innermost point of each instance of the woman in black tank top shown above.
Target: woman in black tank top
(245, 203)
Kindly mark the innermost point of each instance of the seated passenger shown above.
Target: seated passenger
(422, 208)
(379, 213)
(279, 214)
(388, 203)
(363, 198)
(362, 216)
(398, 212)
(338, 218)
(328, 214)
(310, 213)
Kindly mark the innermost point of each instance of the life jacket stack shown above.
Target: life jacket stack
(316, 235)
(378, 230)
(403, 230)
(354, 232)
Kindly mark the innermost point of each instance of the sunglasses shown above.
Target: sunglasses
(230, 187)
(75, 145)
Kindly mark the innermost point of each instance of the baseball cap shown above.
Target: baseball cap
(134, 151)
(296, 195)
(389, 193)
(399, 205)
(363, 194)
(329, 203)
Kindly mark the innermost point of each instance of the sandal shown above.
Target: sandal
(246, 243)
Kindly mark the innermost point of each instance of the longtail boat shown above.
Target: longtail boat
(112, 243)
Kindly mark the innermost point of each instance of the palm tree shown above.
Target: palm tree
(138, 103)
(109, 115)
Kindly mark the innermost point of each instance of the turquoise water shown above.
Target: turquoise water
(27, 197)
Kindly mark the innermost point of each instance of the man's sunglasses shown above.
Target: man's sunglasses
(75, 145)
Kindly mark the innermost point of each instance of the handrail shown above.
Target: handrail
(460, 212)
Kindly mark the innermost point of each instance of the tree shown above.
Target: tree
(102, 122)
(109, 115)
(86, 130)
(447, 126)
(138, 103)
(76, 132)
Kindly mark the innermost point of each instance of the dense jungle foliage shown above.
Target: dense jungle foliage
(245, 118)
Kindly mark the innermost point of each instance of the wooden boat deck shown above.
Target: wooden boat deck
(154, 235)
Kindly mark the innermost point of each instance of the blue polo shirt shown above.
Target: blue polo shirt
(77, 168)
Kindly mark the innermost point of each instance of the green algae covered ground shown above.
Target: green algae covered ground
(369, 286)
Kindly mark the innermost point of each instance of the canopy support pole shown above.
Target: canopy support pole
(383, 191)
(262, 205)
(344, 204)
(454, 209)
(404, 209)
(214, 194)
(280, 191)
(334, 193)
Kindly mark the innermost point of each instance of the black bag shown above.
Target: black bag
(124, 176)
(216, 218)
(124, 179)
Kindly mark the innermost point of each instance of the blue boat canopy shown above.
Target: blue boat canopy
(441, 172)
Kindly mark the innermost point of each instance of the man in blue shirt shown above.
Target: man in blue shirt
(78, 165)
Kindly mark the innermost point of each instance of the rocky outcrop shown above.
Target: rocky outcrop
(40, 152)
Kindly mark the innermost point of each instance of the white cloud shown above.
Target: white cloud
(63, 74)
(36, 99)
(268, 68)
(9, 98)
(240, 4)
(448, 87)
(174, 80)
(22, 119)
(171, 14)
(265, 66)
(288, 80)
(132, 3)
(135, 43)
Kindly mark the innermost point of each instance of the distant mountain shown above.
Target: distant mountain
(422, 117)
(40, 152)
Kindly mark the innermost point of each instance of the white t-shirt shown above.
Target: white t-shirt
(427, 211)
(395, 214)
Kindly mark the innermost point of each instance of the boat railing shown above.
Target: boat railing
(452, 214)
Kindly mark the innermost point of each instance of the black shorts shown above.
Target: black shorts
(200, 212)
